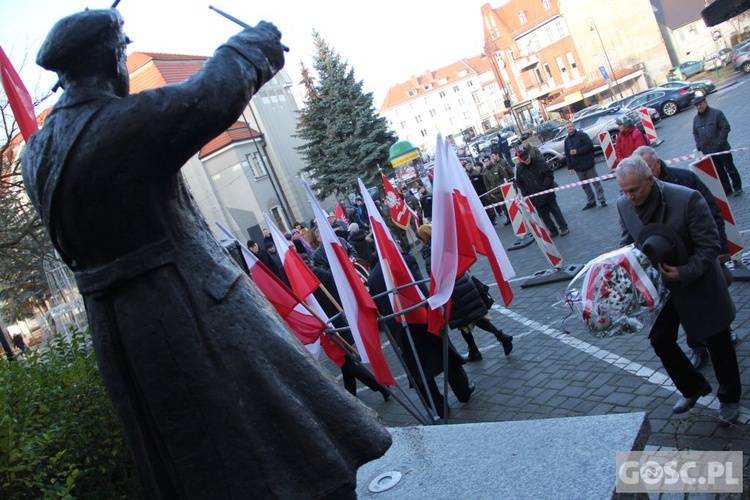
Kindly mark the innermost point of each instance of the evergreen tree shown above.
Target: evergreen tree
(344, 136)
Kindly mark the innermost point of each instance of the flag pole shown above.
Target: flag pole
(445, 363)
(405, 325)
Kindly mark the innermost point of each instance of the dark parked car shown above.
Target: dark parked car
(700, 87)
(547, 130)
(665, 100)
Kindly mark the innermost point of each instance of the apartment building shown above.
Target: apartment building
(460, 100)
(563, 55)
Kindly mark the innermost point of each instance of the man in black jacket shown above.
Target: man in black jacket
(711, 133)
(533, 176)
(686, 178)
(579, 154)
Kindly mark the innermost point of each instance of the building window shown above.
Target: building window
(411, 92)
(572, 63)
(442, 94)
(550, 34)
(475, 96)
(522, 17)
(538, 75)
(461, 101)
(428, 86)
(403, 125)
(447, 106)
(547, 71)
(423, 132)
(433, 112)
(257, 165)
(279, 218)
(560, 29)
(418, 118)
(509, 53)
(469, 84)
(535, 41)
(467, 115)
(546, 4)
(456, 89)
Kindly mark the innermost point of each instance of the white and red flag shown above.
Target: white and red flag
(359, 308)
(305, 326)
(461, 229)
(400, 211)
(340, 215)
(399, 274)
(18, 97)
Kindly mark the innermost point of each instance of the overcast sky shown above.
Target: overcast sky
(385, 42)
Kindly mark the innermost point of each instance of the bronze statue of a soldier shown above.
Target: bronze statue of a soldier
(217, 399)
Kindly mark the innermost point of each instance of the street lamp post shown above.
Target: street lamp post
(592, 27)
(489, 50)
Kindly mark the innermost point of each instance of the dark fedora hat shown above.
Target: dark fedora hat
(662, 245)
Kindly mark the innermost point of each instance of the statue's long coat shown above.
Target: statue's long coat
(217, 398)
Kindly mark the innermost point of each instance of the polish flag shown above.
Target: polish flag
(18, 97)
(359, 308)
(340, 215)
(390, 255)
(461, 229)
(305, 326)
(399, 210)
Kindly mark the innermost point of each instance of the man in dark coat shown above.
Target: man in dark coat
(686, 178)
(534, 176)
(711, 133)
(216, 397)
(699, 299)
(503, 148)
(579, 154)
(429, 347)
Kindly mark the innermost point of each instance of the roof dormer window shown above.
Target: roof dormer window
(411, 92)
(522, 17)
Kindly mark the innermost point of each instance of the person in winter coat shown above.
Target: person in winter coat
(428, 347)
(468, 308)
(425, 202)
(533, 176)
(579, 154)
(629, 139)
(711, 133)
(362, 242)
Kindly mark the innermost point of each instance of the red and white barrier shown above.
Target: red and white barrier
(514, 212)
(608, 148)
(706, 171)
(648, 125)
(540, 232)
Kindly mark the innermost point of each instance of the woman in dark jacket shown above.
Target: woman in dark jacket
(467, 306)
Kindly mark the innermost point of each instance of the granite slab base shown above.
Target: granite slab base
(535, 459)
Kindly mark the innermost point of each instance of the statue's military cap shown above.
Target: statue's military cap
(74, 37)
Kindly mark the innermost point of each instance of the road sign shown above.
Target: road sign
(604, 73)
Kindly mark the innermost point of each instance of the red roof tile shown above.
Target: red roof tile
(237, 132)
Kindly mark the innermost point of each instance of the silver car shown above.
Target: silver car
(741, 59)
(592, 124)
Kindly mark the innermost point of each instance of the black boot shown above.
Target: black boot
(505, 340)
(473, 354)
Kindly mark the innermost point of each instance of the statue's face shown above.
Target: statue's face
(122, 79)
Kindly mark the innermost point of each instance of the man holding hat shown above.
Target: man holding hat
(711, 133)
(674, 228)
(629, 139)
(216, 397)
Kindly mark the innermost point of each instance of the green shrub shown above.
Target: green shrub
(59, 436)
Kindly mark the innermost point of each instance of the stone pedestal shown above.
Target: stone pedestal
(552, 458)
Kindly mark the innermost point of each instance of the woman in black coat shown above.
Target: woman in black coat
(468, 309)
(428, 347)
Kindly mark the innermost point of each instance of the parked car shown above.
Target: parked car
(686, 70)
(547, 130)
(510, 134)
(718, 59)
(621, 104)
(700, 87)
(741, 59)
(554, 158)
(586, 111)
(667, 101)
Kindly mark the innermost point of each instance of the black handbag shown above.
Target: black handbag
(484, 291)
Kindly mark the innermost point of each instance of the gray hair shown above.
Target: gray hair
(633, 164)
(646, 150)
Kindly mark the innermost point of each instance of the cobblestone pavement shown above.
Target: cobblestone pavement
(552, 373)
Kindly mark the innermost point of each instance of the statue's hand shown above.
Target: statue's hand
(268, 38)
